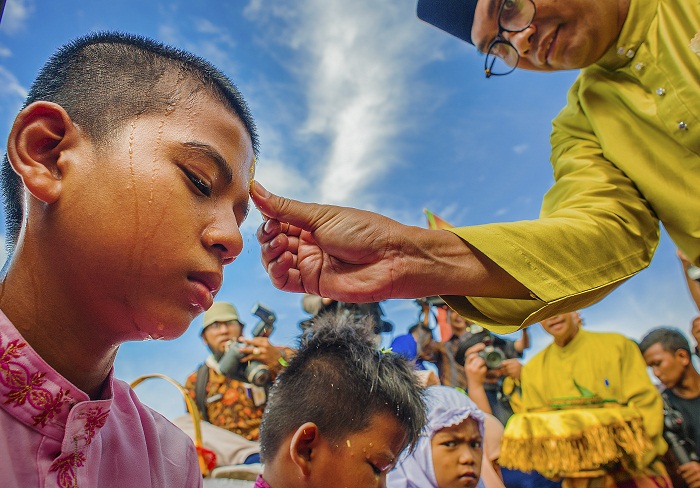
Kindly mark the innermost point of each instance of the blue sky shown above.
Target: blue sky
(359, 104)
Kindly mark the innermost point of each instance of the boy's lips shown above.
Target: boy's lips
(210, 279)
(207, 284)
(468, 478)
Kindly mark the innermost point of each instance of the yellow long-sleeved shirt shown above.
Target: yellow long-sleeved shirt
(609, 365)
(626, 154)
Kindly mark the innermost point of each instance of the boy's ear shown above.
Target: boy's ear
(41, 131)
(683, 356)
(301, 449)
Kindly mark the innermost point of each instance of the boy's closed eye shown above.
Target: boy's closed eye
(201, 185)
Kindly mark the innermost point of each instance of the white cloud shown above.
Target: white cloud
(15, 15)
(354, 62)
(213, 44)
(5, 52)
(520, 148)
(10, 85)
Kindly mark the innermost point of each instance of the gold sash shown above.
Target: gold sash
(575, 442)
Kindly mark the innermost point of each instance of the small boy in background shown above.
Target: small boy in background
(341, 413)
(126, 179)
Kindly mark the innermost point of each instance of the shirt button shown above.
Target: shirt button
(630, 53)
(682, 125)
(639, 66)
(661, 91)
(620, 51)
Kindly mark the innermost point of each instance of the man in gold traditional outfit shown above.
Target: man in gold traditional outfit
(599, 382)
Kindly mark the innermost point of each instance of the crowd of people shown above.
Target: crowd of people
(596, 383)
(129, 171)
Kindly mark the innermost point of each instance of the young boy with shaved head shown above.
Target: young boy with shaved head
(125, 182)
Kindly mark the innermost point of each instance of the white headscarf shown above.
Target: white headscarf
(446, 407)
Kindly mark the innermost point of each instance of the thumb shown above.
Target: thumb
(307, 216)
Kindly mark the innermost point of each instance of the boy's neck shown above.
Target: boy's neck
(689, 386)
(280, 472)
(54, 330)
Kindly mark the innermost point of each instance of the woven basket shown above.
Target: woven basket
(205, 456)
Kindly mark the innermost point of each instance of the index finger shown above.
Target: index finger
(307, 216)
(476, 348)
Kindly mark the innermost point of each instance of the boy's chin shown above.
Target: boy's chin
(165, 330)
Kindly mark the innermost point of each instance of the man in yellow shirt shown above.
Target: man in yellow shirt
(607, 365)
(625, 155)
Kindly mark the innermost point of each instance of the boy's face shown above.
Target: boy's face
(458, 323)
(155, 216)
(562, 327)
(457, 455)
(667, 366)
(362, 459)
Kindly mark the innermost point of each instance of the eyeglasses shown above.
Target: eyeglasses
(513, 16)
(221, 325)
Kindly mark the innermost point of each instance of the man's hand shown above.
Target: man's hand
(512, 367)
(475, 366)
(355, 256)
(695, 330)
(690, 472)
(476, 370)
(343, 253)
(260, 349)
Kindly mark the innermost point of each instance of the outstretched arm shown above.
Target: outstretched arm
(356, 256)
(523, 342)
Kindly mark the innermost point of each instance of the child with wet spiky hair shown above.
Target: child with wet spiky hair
(341, 413)
(126, 179)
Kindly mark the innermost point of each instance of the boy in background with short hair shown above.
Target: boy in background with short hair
(341, 413)
(125, 182)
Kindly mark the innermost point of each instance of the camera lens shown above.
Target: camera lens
(258, 374)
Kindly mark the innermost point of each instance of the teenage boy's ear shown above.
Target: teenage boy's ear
(41, 133)
(305, 440)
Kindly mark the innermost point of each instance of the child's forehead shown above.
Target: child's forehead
(469, 425)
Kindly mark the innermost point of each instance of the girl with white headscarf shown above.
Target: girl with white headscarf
(449, 453)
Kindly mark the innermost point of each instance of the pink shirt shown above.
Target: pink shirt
(261, 483)
(53, 435)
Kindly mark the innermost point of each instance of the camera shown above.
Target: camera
(254, 372)
(265, 325)
(433, 301)
(676, 435)
(358, 311)
(492, 355)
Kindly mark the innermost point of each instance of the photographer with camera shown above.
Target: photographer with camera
(667, 352)
(484, 364)
(230, 388)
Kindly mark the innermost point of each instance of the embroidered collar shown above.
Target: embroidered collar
(33, 392)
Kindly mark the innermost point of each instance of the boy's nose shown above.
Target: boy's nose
(467, 457)
(224, 237)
